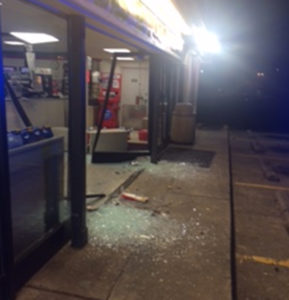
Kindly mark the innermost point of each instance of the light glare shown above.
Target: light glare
(206, 42)
(125, 58)
(35, 38)
(14, 43)
(260, 74)
(116, 50)
(168, 14)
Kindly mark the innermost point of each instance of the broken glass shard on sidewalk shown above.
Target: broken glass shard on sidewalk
(121, 226)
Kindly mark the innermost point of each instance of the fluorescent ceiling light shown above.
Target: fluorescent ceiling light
(125, 58)
(206, 42)
(14, 43)
(35, 38)
(116, 50)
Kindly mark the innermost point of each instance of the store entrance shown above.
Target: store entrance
(70, 133)
(37, 115)
(117, 112)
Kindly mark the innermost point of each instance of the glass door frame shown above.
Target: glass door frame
(164, 93)
(74, 228)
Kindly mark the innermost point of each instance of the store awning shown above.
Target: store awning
(145, 24)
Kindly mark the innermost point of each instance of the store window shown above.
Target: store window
(36, 96)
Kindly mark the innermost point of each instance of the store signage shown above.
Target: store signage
(140, 15)
(137, 16)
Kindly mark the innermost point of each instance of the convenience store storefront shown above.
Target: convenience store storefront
(42, 204)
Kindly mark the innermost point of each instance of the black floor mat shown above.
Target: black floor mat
(281, 169)
(277, 137)
(198, 157)
(279, 149)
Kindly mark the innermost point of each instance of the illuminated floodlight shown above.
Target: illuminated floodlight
(206, 42)
(260, 74)
(35, 37)
(116, 50)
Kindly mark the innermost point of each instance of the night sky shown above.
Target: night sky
(255, 38)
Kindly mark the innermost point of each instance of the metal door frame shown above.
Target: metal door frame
(36, 257)
(6, 244)
(74, 228)
(164, 83)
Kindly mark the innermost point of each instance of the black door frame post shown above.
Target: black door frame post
(77, 129)
(6, 237)
(171, 92)
(177, 95)
(154, 99)
(164, 84)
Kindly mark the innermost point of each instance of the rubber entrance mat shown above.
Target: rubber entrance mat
(281, 169)
(197, 157)
(277, 137)
(280, 148)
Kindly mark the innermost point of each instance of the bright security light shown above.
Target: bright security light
(116, 50)
(35, 38)
(206, 42)
(260, 74)
(14, 43)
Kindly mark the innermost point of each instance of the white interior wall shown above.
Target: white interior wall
(134, 79)
(13, 62)
(106, 64)
(135, 83)
(48, 112)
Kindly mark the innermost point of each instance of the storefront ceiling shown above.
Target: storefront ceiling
(21, 15)
(103, 23)
(100, 36)
(25, 17)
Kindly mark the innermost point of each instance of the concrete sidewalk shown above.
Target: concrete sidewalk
(176, 246)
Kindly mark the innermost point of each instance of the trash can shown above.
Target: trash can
(183, 124)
